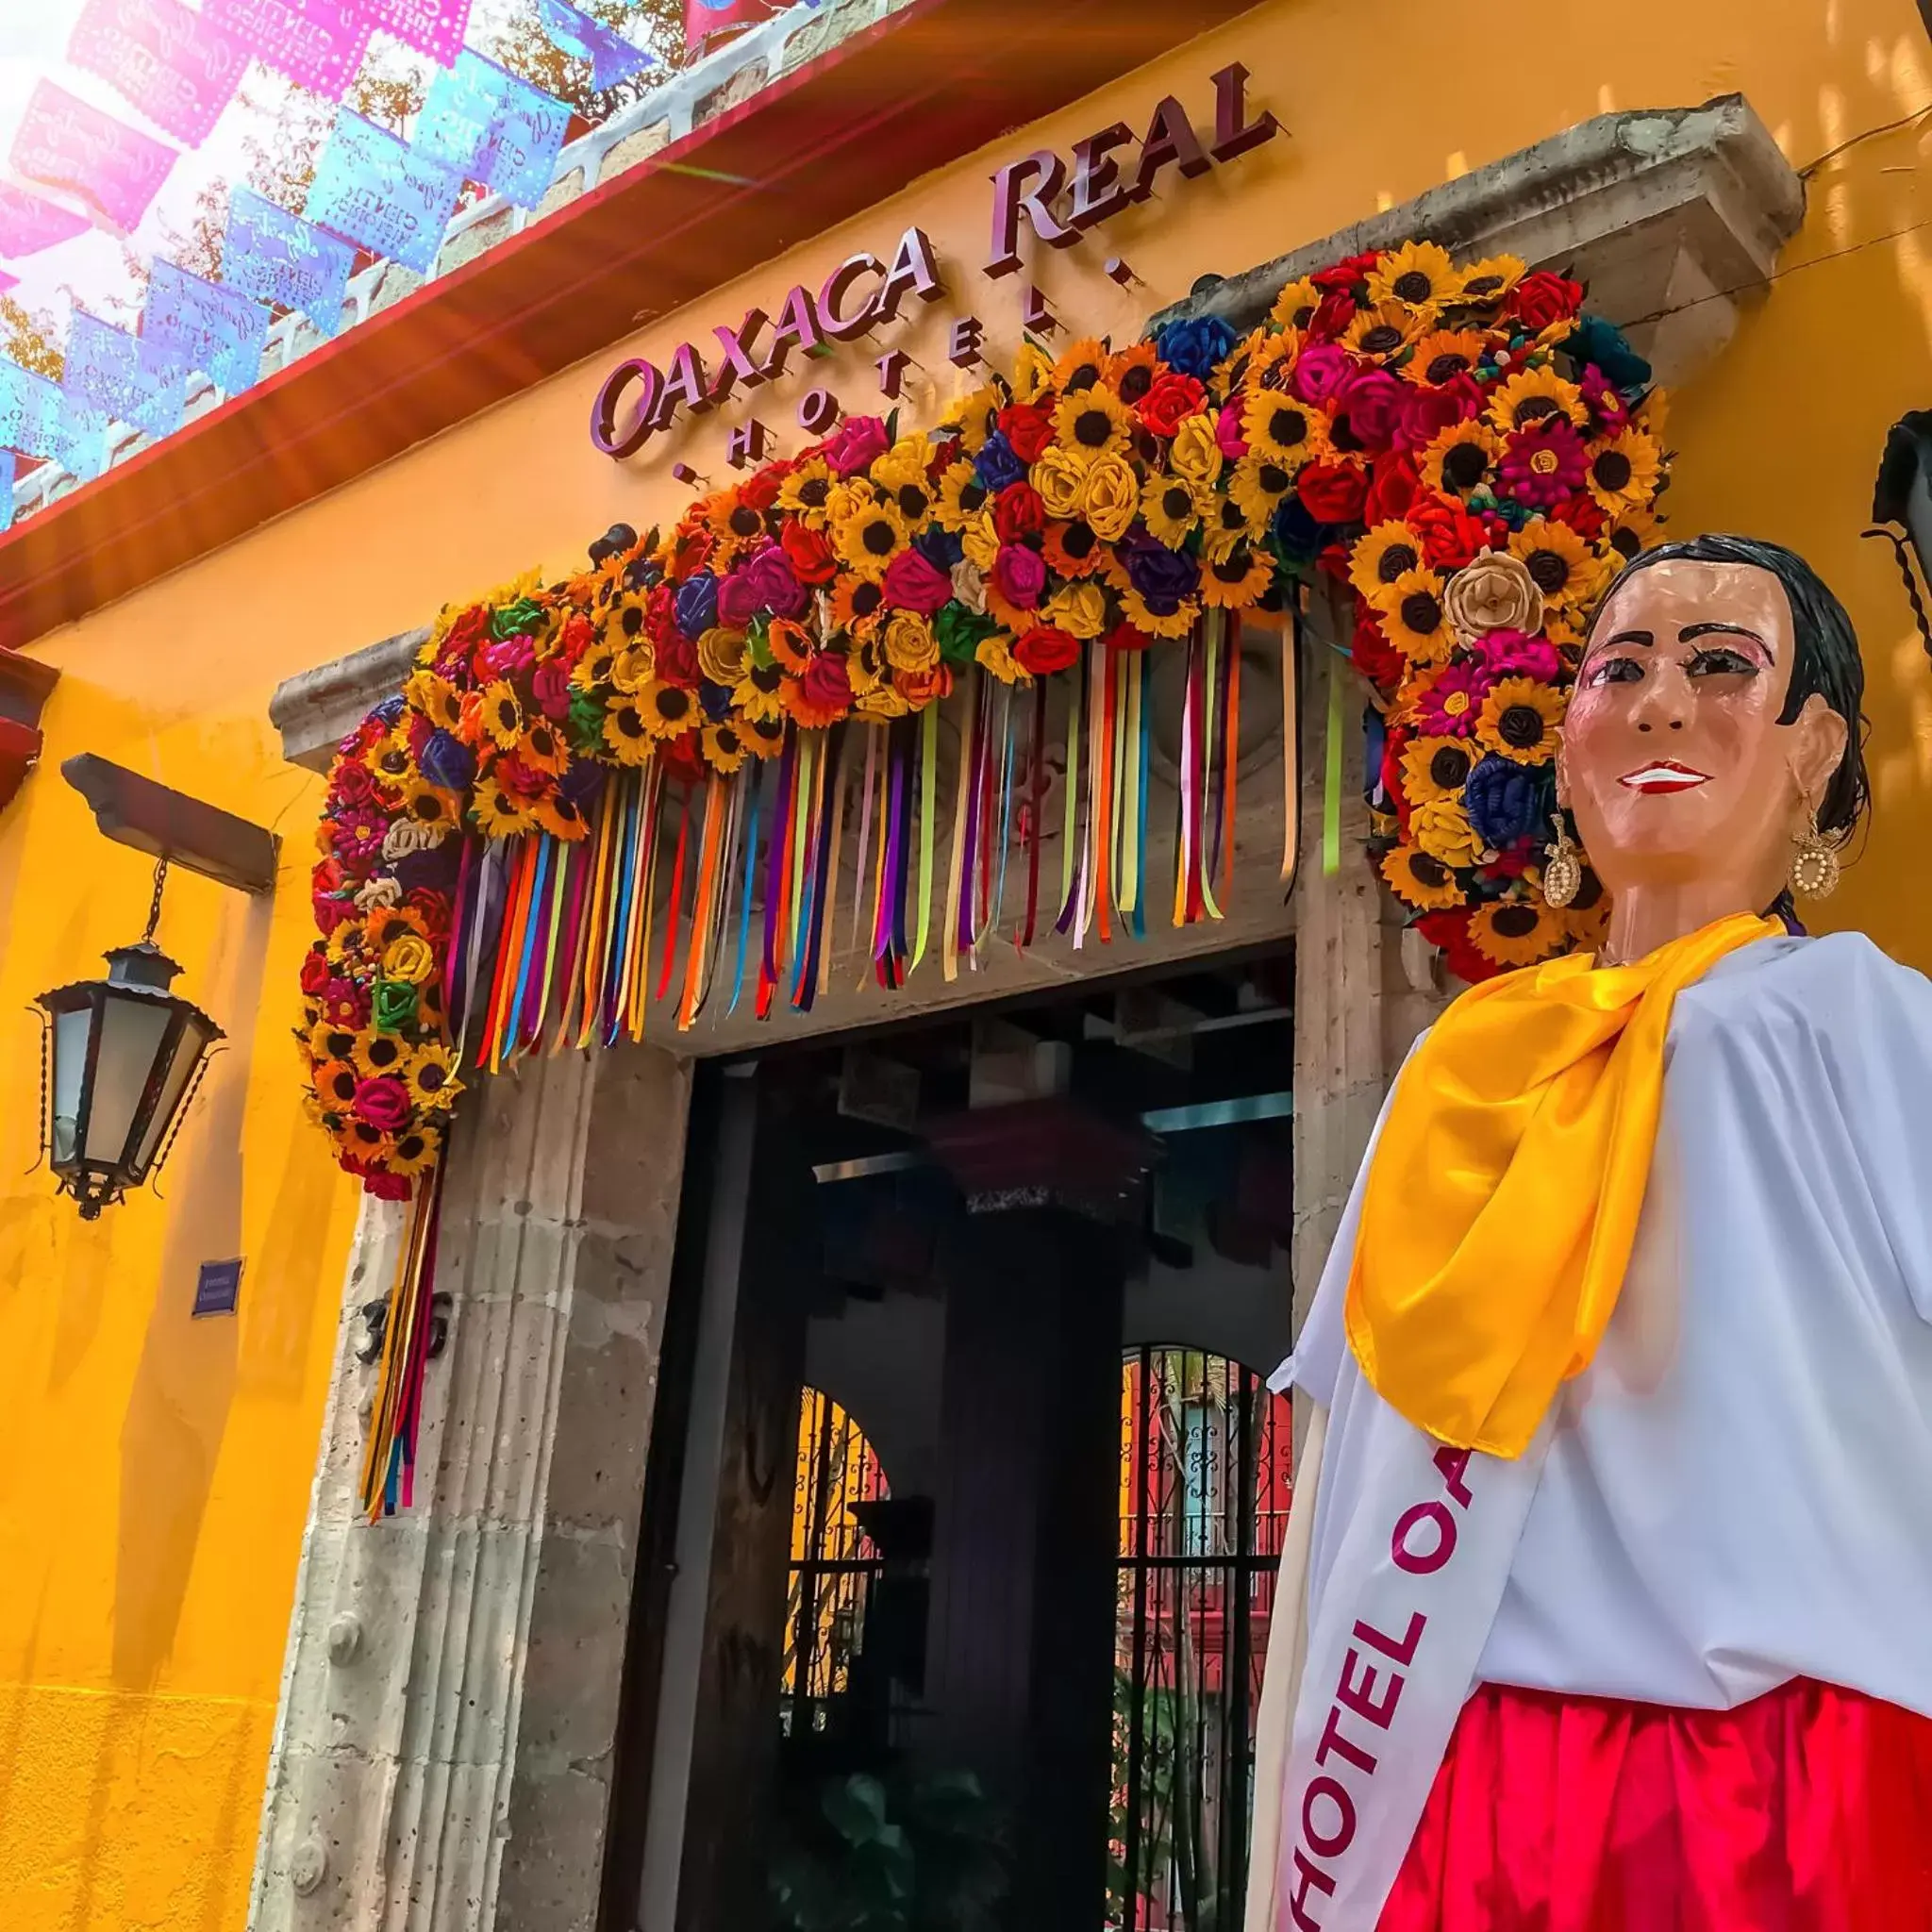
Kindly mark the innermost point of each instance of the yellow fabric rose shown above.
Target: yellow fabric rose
(1441, 828)
(909, 643)
(721, 654)
(1032, 374)
(410, 957)
(1195, 453)
(1112, 500)
(981, 542)
(997, 653)
(1060, 477)
(884, 701)
(632, 669)
(1079, 609)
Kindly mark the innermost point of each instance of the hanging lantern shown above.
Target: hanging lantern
(122, 1056)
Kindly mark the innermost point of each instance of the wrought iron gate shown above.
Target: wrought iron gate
(1204, 1475)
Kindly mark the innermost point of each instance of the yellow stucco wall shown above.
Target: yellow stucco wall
(154, 1471)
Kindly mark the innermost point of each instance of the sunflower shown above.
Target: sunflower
(623, 619)
(436, 698)
(763, 738)
(335, 1084)
(1413, 617)
(1237, 579)
(1435, 768)
(722, 748)
(1516, 932)
(415, 1149)
(1382, 331)
(856, 603)
(962, 496)
(594, 667)
(369, 1144)
(1420, 880)
(1461, 460)
(432, 1075)
(1489, 281)
(1130, 374)
(626, 733)
(498, 813)
(1176, 624)
(393, 922)
(1256, 490)
(1073, 550)
(1624, 474)
(1093, 422)
(905, 463)
(1032, 373)
(1170, 506)
(667, 711)
(376, 1053)
(1233, 524)
(1082, 365)
(756, 694)
(790, 645)
(868, 539)
(1443, 355)
(1418, 276)
(326, 1042)
(1441, 827)
(389, 758)
(1294, 307)
(1632, 533)
(1519, 720)
(1565, 568)
(804, 490)
(1382, 558)
(503, 714)
(1532, 396)
(1282, 430)
(733, 519)
(424, 805)
(541, 748)
(973, 418)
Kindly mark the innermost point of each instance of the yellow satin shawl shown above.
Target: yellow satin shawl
(1503, 1199)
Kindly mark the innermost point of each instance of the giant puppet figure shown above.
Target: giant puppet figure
(1607, 1604)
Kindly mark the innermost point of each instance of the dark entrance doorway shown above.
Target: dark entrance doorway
(976, 1481)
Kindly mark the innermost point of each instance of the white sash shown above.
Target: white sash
(1399, 1614)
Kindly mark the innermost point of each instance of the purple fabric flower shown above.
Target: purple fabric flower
(914, 583)
(1320, 369)
(1370, 401)
(447, 761)
(859, 444)
(1511, 654)
(697, 605)
(550, 685)
(508, 657)
(1165, 578)
(582, 782)
(1019, 576)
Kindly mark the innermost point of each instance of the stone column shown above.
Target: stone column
(442, 1756)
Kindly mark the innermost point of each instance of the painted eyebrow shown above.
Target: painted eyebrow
(1646, 638)
(1692, 631)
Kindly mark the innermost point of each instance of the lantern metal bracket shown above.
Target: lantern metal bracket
(169, 825)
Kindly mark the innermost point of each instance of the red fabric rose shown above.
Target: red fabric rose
(683, 758)
(1584, 515)
(1018, 514)
(1332, 493)
(661, 613)
(1426, 412)
(827, 682)
(1332, 559)
(577, 637)
(1542, 298)
(1392, 489)
(1451, 537)
(1372, 655)
(1394, 743)
(677, 661)
(1333, 314)
(1171, 400)
(1368, 406)
(353, 782)
(1028, 429)
(810, 553)
(1350, 273)
(1124, 637)
(434, 906)
(760, 492)
(1044, 651)
(527, 781)
(377, 1181)
(1450, 931)
(551, 687)
(315, 971)
(331, 913)
(914, 583)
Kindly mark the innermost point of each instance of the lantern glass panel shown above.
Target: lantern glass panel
(70, 1070)
(131, 1032)
(197, 1030)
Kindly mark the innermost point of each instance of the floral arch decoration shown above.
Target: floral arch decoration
(631, 787)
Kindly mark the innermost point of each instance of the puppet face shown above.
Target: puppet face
(1673, 756)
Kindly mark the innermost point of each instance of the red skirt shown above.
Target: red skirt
(1809, 1809)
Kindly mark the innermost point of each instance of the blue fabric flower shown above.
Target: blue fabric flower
(1197, 346)
(1594, 340)
(715, 698)
(1509, 803)
(1296, 535)
(941, 548)
(582, 782)
(447, 761)
(1165, 578)
(697, 605)
(997, 463)
(390, 708)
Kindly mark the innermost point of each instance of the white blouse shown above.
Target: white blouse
(1738, 1489)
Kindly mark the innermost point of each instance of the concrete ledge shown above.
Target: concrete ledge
(1670, 214)
(316, 710)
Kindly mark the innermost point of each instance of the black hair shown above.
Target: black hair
(1826, 660)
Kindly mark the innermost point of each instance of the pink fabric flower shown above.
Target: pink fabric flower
(914, 583)
(1370, 403)
(1320, 369)
(506, 658)
(550, 687)
(858, 442)
(1609, 413)
(1543, 464)
(1450, 707)
(345, 1004)
(1511, 654)
(1019, 576)
(383, 1103)
(1227, 432)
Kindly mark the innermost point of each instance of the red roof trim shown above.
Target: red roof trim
(839, 134)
